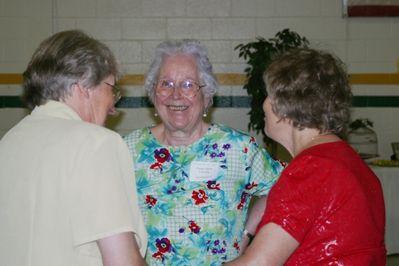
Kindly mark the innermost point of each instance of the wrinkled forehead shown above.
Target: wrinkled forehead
(179, 66)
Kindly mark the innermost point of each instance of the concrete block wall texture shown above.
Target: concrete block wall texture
(132, 28)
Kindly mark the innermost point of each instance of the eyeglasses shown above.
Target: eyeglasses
(187, 88)
(116, 92)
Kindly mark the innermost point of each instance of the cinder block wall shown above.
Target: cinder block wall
(132, 28)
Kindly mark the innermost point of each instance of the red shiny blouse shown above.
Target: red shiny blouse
(330, 201)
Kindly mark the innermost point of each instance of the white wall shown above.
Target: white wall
(132, 28)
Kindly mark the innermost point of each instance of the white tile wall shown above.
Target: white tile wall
(382, 50)
(253, 8)
(162, 8)
(10, 90)
(144, 28)
(371, 67)
(65, 24)
(217, 50)
(119, 8)
(331, 8)
(180, 28)
(233, 28)
(126, 52)
(395, 28)
(101, 28)
(375, 90)
(74, 8)
(366, 29)
(356, 50)
(23, 8)
(132, 28)
(9, 117)
(293, 8)
(208, 8)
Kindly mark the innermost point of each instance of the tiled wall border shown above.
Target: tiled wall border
(235, 79)
(221, 102)
(227, 79)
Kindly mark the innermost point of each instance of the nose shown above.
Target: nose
(176, 92)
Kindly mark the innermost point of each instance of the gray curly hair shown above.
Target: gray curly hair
(187, 47)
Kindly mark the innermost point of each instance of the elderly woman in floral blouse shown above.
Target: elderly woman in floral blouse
(195, 180)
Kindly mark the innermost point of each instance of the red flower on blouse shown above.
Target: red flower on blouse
(162, 155)
(151, 201)
(199, 196)
(158, 255)
(243, 198)
(236, 246)
(195, 228)
(163, 245)
(156, 165)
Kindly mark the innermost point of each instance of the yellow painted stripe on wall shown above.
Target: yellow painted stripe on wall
(135, 79)
(132, 79)
(370, 78)
(10, 78)
(234, 79)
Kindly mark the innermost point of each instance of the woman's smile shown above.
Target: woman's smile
(177, 107)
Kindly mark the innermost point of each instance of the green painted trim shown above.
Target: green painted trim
(220, 102)
(375, 101)
(10, 102)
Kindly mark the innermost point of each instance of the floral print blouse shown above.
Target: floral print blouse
(195, 198)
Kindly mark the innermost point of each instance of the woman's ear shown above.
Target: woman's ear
(81, 91)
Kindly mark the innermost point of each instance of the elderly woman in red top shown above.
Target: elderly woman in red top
(327, 208)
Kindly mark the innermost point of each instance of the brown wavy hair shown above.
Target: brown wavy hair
(311, 88)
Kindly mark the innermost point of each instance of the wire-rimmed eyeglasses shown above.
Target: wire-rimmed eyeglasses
(116, 92)
(187, 88)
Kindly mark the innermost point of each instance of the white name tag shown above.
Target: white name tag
(203, 171)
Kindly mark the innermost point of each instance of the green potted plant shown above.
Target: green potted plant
(258, 55)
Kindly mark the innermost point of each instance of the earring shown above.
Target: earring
(156, 114)
(204, 115)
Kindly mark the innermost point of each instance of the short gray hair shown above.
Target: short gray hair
(186, 47)
(62, 60)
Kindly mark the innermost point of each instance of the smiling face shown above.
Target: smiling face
(179, 113)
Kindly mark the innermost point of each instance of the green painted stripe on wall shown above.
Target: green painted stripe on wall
(220, 102)
(375, 101)
(10, 102)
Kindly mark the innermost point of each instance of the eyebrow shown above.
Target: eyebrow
(110, 84)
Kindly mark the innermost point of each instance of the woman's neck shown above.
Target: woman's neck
(311, 137)
(179, 137)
